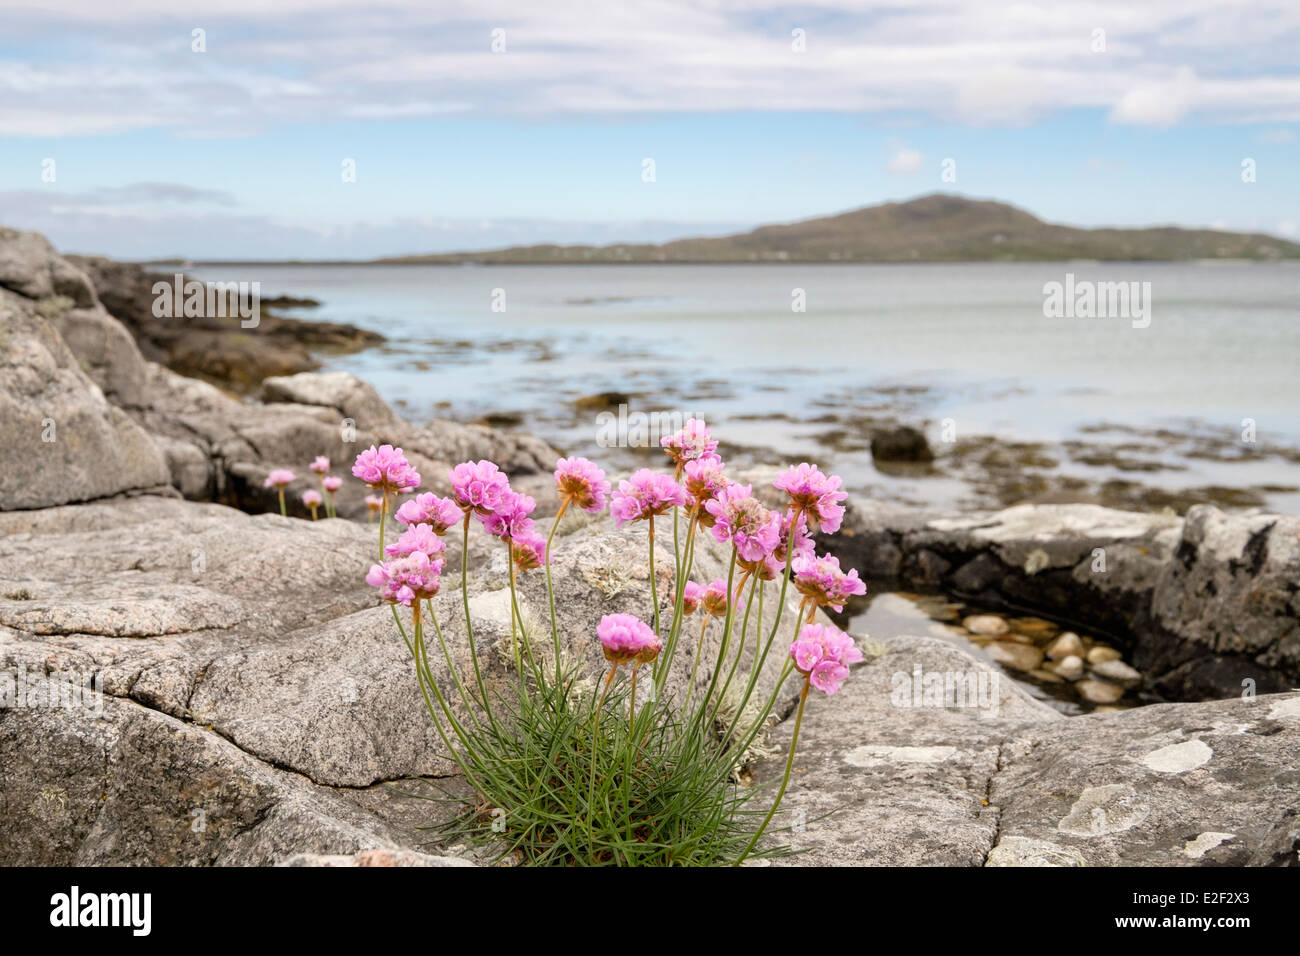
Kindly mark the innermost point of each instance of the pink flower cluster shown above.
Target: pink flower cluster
(691, 443)
(528, 552)
(714, 599)
(478, 486)
(741, 518)
(582, 484)
(510, 519)
(386, 469)
(824, 654)
(279, 478)
(704, 482)
(645, 495)
(428, 508)
(815, 495)
(626, 638)
(405, 580)
(422, 538)
(692, 594)
(482, 489)
(824, 582)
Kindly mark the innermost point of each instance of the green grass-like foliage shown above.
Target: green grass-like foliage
(617, 775)
(563, 788)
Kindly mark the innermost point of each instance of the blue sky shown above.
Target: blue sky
(237, 150)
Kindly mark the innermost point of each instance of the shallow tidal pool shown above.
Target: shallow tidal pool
(1071, 671)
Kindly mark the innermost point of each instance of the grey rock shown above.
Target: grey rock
(30, 267)
(882, 781)
(129, 786)
(1198, 605)
(1136, 787)
(96, 451)
(902, 443)
(903, 781)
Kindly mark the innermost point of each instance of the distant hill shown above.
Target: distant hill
(935, 228)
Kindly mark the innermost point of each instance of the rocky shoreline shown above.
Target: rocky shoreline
(250, 681)
(216, 349)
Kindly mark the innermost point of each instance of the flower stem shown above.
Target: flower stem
(283, 513)
(785, 779)
(383, 520)
(550, 589)
(695, 667)
(469, 626)
(654, 588)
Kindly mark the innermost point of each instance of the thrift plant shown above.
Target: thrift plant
(567, 771)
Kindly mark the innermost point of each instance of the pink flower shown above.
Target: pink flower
(625, 639)
(714, 599)
(691, 443)
(766, 566)
(478, 486)
(815, 494)
(704, 481)
(579, 481)
(278, 478)
(741, 518)
(528, 551)
(374, 502)
(692, 594)
(407, 579)
(822, 580)
(386, 469)
(510, 519)
(824, 655)
(321, 465)
(421, 538)
(647, 494)
(311, 499)
(428, 508)
(802, 544)
(769, 569)
(331, 482)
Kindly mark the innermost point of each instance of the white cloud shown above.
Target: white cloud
(905, 161)
(1160, 103)
(1278, 136)
(102, 68)
(1287, 227)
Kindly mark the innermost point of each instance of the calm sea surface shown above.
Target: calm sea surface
(922, 343)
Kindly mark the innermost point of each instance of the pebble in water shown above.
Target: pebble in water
(1071, 668)
(1067, 645)
(987, 625)
(1099, 692)
(1101, 653)
(1117, 671)
(1020, 657)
